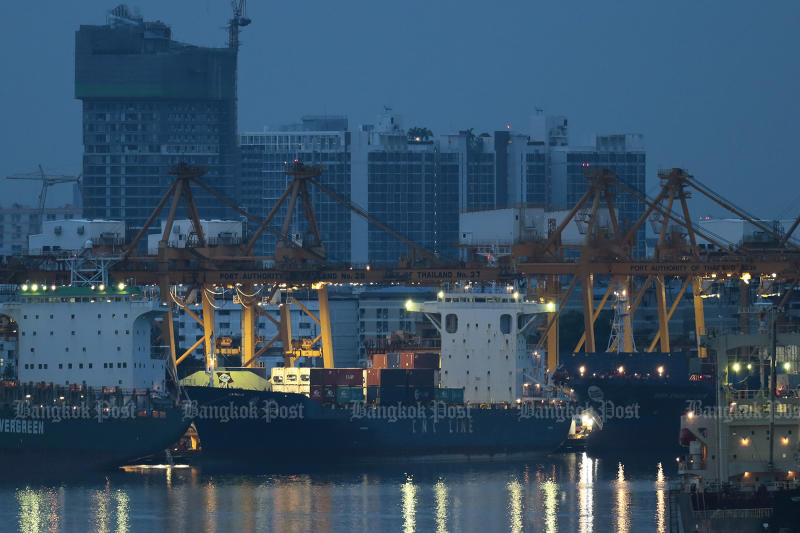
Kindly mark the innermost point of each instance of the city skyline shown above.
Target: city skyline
(625, 71)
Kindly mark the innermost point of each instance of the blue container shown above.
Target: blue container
(346, 395)
(393, 360)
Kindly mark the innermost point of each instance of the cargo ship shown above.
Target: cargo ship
(467, 399)
(90, 385)
(636, 398)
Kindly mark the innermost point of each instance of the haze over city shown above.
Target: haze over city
(711, 86)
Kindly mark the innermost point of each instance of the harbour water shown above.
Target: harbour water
(555, 493)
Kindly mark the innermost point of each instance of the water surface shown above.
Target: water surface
(554, 493)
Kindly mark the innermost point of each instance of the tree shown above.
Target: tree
(419, 134)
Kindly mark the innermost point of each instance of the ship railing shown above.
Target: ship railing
(41, 394)
(759, 397)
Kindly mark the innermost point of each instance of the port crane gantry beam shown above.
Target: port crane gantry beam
(606, 252)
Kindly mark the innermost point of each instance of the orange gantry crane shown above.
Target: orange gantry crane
(552, 268)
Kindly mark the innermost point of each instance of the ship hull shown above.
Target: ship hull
(362, 431)
(43, 445)
(639, 415)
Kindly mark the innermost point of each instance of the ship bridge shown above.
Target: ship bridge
(485, 348)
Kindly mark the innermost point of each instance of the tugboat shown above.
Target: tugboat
(90, 390)
(741, 469)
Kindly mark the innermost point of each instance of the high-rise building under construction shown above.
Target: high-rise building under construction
(150, 102)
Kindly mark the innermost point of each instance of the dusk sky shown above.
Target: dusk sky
(713, 86)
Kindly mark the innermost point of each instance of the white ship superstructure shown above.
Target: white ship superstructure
(95, 336)
(483, 342)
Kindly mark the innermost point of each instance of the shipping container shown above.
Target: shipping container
(426, 360)
(406, 360)
(422, 377)
(393, 360)
(373, 377)
(346, 395)
(276, 375)
(305, 376)
(291, 376)
(450, 395)
(316, 393)
(329, 393)
(378, 360)
(421, 394)
(346, 377)
(372, 394)
(409, 377)
(390, 395)
(393, 377)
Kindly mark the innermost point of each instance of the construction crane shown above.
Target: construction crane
(47, 180)
(239, 20)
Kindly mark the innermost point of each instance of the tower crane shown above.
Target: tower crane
(47, 180)
(239, 20)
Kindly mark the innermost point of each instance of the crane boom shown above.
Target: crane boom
(47, 181)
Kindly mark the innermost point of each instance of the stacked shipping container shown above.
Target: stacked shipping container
(396, 377)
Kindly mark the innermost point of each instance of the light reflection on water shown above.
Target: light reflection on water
(586, 494)
(550, 490)
(661, 495)
(409, 506)
(559, 493)
(440, 490)
(515, 506)
(623, 501)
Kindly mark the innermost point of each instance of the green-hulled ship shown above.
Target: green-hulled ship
(90, 387)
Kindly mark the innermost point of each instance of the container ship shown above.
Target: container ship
(90, 390)
(467, 399)
(636, 398)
